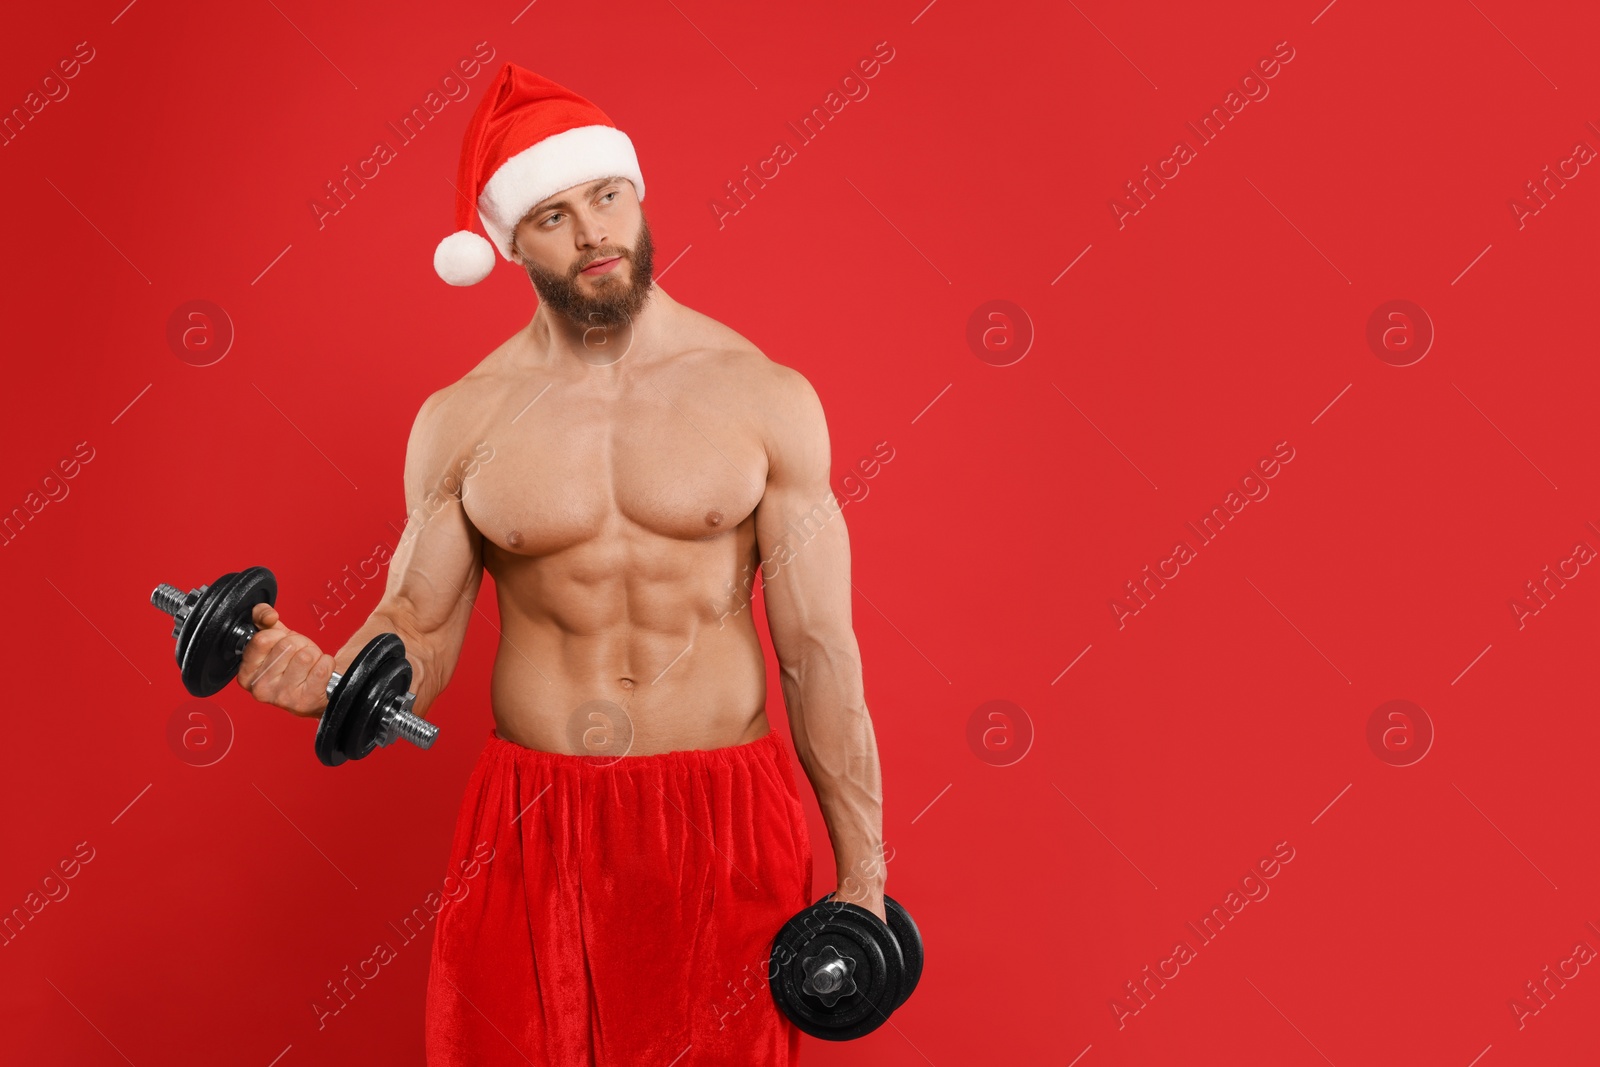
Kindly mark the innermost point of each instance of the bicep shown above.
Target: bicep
(438, 564)
(800, 533)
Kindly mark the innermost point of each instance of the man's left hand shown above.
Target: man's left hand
(872, 900)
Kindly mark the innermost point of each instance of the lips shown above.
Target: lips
(600, 265)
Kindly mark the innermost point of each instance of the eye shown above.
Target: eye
(557, 215)
(609, 195)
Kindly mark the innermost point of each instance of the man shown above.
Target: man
(622, 466)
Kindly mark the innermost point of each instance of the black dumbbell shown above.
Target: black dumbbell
(368, 705)
(838, 971)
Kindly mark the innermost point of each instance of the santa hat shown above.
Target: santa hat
(528, 139)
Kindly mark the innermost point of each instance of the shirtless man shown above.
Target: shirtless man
(633, 824)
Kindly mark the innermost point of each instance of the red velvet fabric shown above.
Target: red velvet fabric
(626, 913)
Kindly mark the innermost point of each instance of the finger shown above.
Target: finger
(260, 653)
(316, 695)
(268, 683)
(269, 631)
(295, 684)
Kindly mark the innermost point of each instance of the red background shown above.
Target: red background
(1230, 714)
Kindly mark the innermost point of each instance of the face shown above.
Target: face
(582, 226)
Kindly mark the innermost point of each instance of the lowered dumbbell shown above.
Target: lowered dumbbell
(368, 705)
(838, 971)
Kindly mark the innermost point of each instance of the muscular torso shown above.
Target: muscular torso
(617, 519)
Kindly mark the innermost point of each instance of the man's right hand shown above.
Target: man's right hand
(284, 668)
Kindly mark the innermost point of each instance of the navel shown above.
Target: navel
(714, 518)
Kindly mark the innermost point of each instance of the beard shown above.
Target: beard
(621, 292)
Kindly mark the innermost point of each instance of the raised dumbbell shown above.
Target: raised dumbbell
(838, 971)
(368, 705)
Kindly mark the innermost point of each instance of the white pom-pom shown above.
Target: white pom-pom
(463, 258)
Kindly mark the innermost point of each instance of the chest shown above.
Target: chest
(578, 465)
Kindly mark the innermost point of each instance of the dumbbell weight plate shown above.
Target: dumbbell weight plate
(909, 938)
(208, 654)
(391, 679)
(353, 705)
(852, 932)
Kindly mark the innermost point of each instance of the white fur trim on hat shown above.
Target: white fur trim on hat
(558, 162)
(463, 258)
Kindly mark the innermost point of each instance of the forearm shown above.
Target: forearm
(838, 749)
(428, 677)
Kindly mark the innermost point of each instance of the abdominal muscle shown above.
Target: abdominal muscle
(615, 667)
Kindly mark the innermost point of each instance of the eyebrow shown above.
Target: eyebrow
(593, 188)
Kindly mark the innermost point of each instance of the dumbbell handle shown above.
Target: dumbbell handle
(828, 977)
(397, 719)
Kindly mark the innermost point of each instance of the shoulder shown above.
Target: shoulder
(451, 411)
(440, 431)
(769, 388)
(434, 414)
(790, 420)
(776, 401)
(794, 415)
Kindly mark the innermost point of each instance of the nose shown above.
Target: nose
(591, 232)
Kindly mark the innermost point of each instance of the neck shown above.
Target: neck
(562, 341)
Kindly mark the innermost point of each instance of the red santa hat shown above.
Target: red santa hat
(528, 138)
